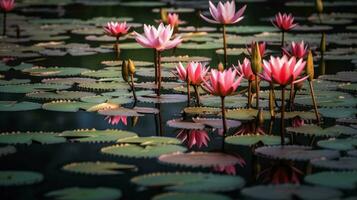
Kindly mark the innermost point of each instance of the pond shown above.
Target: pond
(91, 109)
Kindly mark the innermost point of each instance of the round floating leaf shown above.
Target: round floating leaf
(118, 63)
(183, 89)
(196, 46)
(153, 140)
(93, 135)
(232, 52)
(30, 137)
(251, 140)
(338, 180)
(119, 112)
(294, 152)
(150, 72)
(104, 99)
(338, 144)
(164, 98)
(190, 182)
(352, 88)
(68, 81)
(102, 74)
(66, 106)
(200, 159)
(27, 88)
(310, 115)
(245, 114)
(142, 4)
(327, 99)
(137, 151)
(59, 95)
(347, 121)
(230, 101)
(18, 106)
(251, 29)
(314, 130)
(179, 123)
(98, 168)
(202, 110)
(146, 110)
(14, 81)
(17, 178)
(7, 150)
(344, 163)
(104, 86)
(192, 196)
(341, 77)
(152, 85)
(338, 113)
(79, 193)
(185, 58)
(217, 123)
(54, 71)
(290, 191)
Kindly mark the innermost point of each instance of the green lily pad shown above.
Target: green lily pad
(202, 110)
(245, 114)
(14, 81)
(68, 81)
(54, 71)
(344, 163)
(93, 135)
(142, 4)
(202, 46)
(232, 52)
(102, 74)
(104, 86)
(30, 137)
(138, 151)
(118, 63)
(314, 130)
(27, 88)
(79, 193)
(338, 180)
(103, 99)
(7, 150)
(200, 159)
(251, 140)
(250, 29)
(290, 191)
(344, 76)
(294, 152)
(17, 178)
(59, 95)
(98, 168)
(352, 88)
(66, 106)
(339, 144)
(164, 98)
(119, 112)
(230, 101)
(185, 58)
(306, 115)
(18, 106)
(150, 72)
(152, 85)
(327, 99)
(152, 140)
(191, 196)
(190, 182)
(338, 113)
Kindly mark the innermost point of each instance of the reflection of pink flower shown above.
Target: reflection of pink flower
(114, 120)
(196, 72)
(297, 122)
(224, 13)
(283, 71)
(299, 50)
(245, 69)
(222, 83)
(281, 173)
(159, 39)
(116, 29)
(230, 169)
(194, 137)
(249, 128)
(284, 21)
(262, 47)
(7, 5)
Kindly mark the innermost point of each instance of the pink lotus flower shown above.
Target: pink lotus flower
(299, 50)
(7, 5)
(284, 22)
(195, 72)
(222, 83)
(194, 137)
(283, 71)
(262, 47)
(245, 69)
(297, 122)
(281, 173)
(230, 169)
(249, 128)
(173, 19)
(116, 29)
(114, 120)
(224, 13)
(159, 39)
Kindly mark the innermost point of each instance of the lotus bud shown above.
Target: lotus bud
(220, 67)
(260, 118)
(322, 67)
(256, 60)
(319, 6)
(323, 43)
(271, 104)
(163, 14)
(125, 71)
(131, 67)
(310, 66)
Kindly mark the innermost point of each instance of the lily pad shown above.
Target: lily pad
(338, 180)
(179, 123)
(137, 151)
(339, 144)
(290, 191)
(31, 137)
(104, 86)
(164, 98)
(98, 168)
(202, 110)
(230, 101)
(338, 113)
(93, 135)
(66, 106)
(14, 81)
(352, 88)
(152, 140)
(344, 163)
(192, 196)
(142, 4)
(78, 193)
(54, 71)
(251, 140)
(18, 106)
(17, 178)
(59, 95)
(190, 182)
(314, 130)
(119, 112)
(27, 88)
(294, 152)
(217, 123)
(245, 114)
